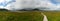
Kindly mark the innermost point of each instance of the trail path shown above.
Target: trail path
(45, 17)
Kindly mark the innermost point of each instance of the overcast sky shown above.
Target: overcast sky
(20, 4)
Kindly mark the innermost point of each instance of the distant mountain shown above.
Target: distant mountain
(29, 9)
(3, 10)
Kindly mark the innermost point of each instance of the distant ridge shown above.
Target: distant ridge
(3, 10)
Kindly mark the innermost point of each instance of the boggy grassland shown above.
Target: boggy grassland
(28, 16)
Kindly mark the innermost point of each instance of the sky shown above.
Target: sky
(21, 4)
(50, 4)
(5, 3)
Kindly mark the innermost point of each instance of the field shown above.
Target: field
(28, 16)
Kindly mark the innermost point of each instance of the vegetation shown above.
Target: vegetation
(28, 16)
(53, 16)
(20, 16)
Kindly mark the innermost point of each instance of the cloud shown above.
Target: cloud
(22, 4)
(49, 4)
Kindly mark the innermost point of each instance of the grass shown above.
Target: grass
(28, 16)
(53, 16)
(18, 16)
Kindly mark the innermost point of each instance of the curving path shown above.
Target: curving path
(45, 17)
